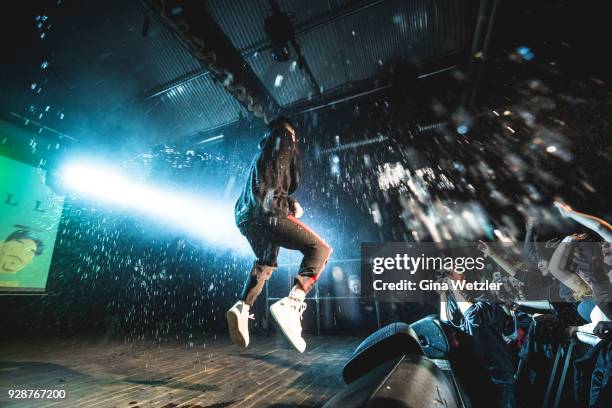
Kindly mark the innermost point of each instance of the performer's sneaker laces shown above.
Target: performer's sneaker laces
(301, 309)
(298, 305)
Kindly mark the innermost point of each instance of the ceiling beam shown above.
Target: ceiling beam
(316, 22)
(368, 86)
(481, 42)
(196, 27)
(168, 86)
(260, 46)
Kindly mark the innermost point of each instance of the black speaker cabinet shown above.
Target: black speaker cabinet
(410, 381)
(431, 337)
(390, 342)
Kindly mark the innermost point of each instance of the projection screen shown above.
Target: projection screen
(29, 216)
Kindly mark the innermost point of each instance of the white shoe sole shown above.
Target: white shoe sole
(299, 347)
(237, 337)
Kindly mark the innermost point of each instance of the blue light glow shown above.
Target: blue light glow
(202, 217)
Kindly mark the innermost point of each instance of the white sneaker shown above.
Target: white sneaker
(238, 322)
(288, 314)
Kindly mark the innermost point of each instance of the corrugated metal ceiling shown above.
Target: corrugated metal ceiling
(192, 106)
(348, 49)
(131, 73)
(345, 50)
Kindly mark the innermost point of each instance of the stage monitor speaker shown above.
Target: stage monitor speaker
(432, 337)
(435, 345)
(410, 381)
(390, 342)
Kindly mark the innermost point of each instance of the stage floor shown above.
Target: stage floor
(211, 373)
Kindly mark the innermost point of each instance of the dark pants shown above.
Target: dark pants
(267, 235)
(485, 393)
(503, 397)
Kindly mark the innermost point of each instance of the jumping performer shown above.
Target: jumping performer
(266, 215)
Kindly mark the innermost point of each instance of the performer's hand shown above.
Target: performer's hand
(564, 209)
(298, 211)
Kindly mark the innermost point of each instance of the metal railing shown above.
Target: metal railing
(317, 298)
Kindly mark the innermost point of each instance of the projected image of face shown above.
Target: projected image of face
(18, 251)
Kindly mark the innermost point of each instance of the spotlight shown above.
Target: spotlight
(208, 219)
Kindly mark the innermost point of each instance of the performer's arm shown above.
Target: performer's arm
(296, 171)
(272, 164)
(296, 175)
(280, 157)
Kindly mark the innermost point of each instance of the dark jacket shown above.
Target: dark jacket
(274, 175)
(485, 324)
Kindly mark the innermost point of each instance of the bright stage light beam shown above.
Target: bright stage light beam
(201, 217)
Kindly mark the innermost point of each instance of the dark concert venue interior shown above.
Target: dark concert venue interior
(415, 192)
